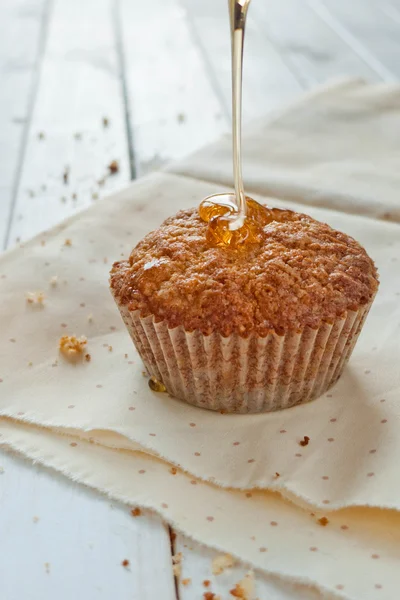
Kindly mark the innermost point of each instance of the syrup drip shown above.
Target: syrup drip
(229, 222)
(156, 386)
(220, 217)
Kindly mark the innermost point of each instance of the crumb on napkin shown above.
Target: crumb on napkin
(35, 298)
(245, 588)
(71, 346)
(304, 441)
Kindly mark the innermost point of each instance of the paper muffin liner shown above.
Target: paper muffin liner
(245, 375)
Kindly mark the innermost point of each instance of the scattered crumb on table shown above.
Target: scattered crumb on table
(176, 564)
(323, 521)
(304, 441)
(125, 563)
(66, 175)
(113, 167)
(186, 581)
(222, 562)
(136, 512)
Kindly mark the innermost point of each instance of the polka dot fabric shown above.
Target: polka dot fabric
(206, 472)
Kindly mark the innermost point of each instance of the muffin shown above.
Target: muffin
(246, 330)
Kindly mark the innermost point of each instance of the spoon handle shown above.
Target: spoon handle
(238, 13)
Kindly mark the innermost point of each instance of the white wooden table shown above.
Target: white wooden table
(86, 82)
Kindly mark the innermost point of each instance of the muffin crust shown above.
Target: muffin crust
(304, 273)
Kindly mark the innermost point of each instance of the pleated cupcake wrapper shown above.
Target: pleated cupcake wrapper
(245, 375)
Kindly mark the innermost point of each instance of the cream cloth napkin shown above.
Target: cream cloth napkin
(243, 483)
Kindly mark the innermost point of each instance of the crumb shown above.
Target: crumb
(74, 196)
(222, 562)
(211, 596)
(35, 298)
(206, 583)
(55, 363)
(277, 475)
(176, 569)
(66, 175)
(30, 363)
(181, 117)
(88, 357)
(186, 581)
(173, 470)
(323, 521)
(125, 355)
(136, 512)
(125, 563)
(47, 567)
(71, 346)
(1, 470)
(144, 373)
(90, 318)
(54, 281)
(245, 588)
(305, 441)
(172, 536)
(110, 348)
(77, 136)
(95, 196)
(105, 122)
(43, 242)
(105, 260)
(176, 564)
(67, 242)
(41, 135)
(35, 519)
(113, 167)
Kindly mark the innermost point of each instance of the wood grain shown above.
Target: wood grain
(363, 28)
(312, 48)
(79, 85)
(268, 82)
(173, 107)
(61, 540)
(22, 29)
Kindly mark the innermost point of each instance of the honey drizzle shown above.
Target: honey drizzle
(232, 220)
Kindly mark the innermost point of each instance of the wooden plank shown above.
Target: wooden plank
(314, 51)
(197, 567)
(81, 536)
(267, 80)
(22, 29)
(366, 30)
(79, 85)
(172, 104)
(61, 540)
